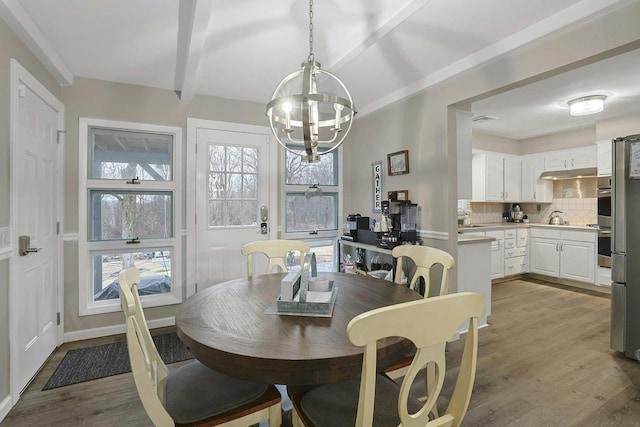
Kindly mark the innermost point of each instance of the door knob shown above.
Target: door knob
(24, 246)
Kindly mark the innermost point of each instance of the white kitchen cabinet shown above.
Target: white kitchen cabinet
(515, 251)
(575, 158)
(567, 254)
(603, 149)
(535, 189)
(495, 177)
(463, 134)
(497, 253)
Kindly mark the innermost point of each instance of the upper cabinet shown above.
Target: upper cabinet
(463, 133)
(604, 157)
(535, 189)
(575, 158)
(496, 177)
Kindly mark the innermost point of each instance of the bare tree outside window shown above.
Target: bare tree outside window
(233, 186)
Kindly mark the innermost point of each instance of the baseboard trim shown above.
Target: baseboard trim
(86, 334)
(5, 407)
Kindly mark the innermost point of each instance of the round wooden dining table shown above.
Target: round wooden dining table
(226, 328)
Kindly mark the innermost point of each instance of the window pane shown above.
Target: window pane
(324, 257)
(313, 213)
(233, 186)
(302, 173)
(118, 215)
(154, 266)
(126, 154)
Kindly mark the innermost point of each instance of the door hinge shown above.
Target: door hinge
(196, 218)
(58, 318)
(57, 227)
(59, 137)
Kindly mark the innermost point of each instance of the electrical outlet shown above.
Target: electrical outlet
(4, 237)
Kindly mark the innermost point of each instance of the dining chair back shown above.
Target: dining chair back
(276, 251)
(192, 394)
(429, 323)
(424, 258)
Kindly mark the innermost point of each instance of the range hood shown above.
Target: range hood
(570, 173)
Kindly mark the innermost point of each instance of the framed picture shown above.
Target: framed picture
(401, 194)
(398, 162)
(376, 179)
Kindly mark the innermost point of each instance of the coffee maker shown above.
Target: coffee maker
(402, 218)
(354, 223)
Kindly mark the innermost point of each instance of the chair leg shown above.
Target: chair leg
(431, 384)
(295, 419)
(275, 416)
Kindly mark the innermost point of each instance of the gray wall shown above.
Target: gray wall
(114, 101)
(422, 124)
(11, 47)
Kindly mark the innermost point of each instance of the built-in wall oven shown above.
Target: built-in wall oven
(604, 221)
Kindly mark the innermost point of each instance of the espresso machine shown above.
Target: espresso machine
(402, 219)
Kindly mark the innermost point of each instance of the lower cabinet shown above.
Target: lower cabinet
(567, 254)
(515, 251)
(497, 253)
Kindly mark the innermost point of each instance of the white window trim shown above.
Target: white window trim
(328, 189)
(86, 305)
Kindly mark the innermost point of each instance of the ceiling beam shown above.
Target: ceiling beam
(193, 24)
(382, 29)
(21, 23)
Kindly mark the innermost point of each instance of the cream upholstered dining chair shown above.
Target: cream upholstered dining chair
(429, 323)
(275, 251)
(425, 258)
(192, 394)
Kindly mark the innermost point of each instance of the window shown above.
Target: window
(129, 212)
(233, 185)
(312, 201)
(312, 195)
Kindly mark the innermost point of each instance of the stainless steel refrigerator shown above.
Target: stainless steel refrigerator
(625, 247)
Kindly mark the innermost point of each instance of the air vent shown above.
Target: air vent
(483, 118)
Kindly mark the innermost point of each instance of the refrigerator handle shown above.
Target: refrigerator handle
(618, 267)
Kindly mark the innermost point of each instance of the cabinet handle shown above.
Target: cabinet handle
(561, 245)
(557, 244)
(565, 164)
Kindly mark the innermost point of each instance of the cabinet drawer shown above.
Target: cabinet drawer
(515, 252)
(496, 234)
(509, 243)
(522, 237)
(515, 265)
(546, 233)
(579, 235)
(521, 241)
(509, 234)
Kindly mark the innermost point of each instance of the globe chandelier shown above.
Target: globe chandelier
(311, 111)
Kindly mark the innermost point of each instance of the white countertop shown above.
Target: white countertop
(510, 225)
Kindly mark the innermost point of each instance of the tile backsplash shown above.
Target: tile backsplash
(576, 198)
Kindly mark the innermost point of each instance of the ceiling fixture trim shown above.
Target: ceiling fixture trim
(586, 105)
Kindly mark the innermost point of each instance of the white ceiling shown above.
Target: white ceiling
(383, 50)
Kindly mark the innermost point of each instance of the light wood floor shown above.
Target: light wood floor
(544, 360)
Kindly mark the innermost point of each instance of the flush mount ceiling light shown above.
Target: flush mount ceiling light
(587, 105)
(306, 119)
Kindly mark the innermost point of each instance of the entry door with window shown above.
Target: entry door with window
(234, 192)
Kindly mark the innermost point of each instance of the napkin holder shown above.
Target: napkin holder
(304, 302)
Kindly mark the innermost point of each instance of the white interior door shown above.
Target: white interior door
(235, 179)
(36, 118)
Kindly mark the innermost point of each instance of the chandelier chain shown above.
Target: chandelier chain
(310, 58)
